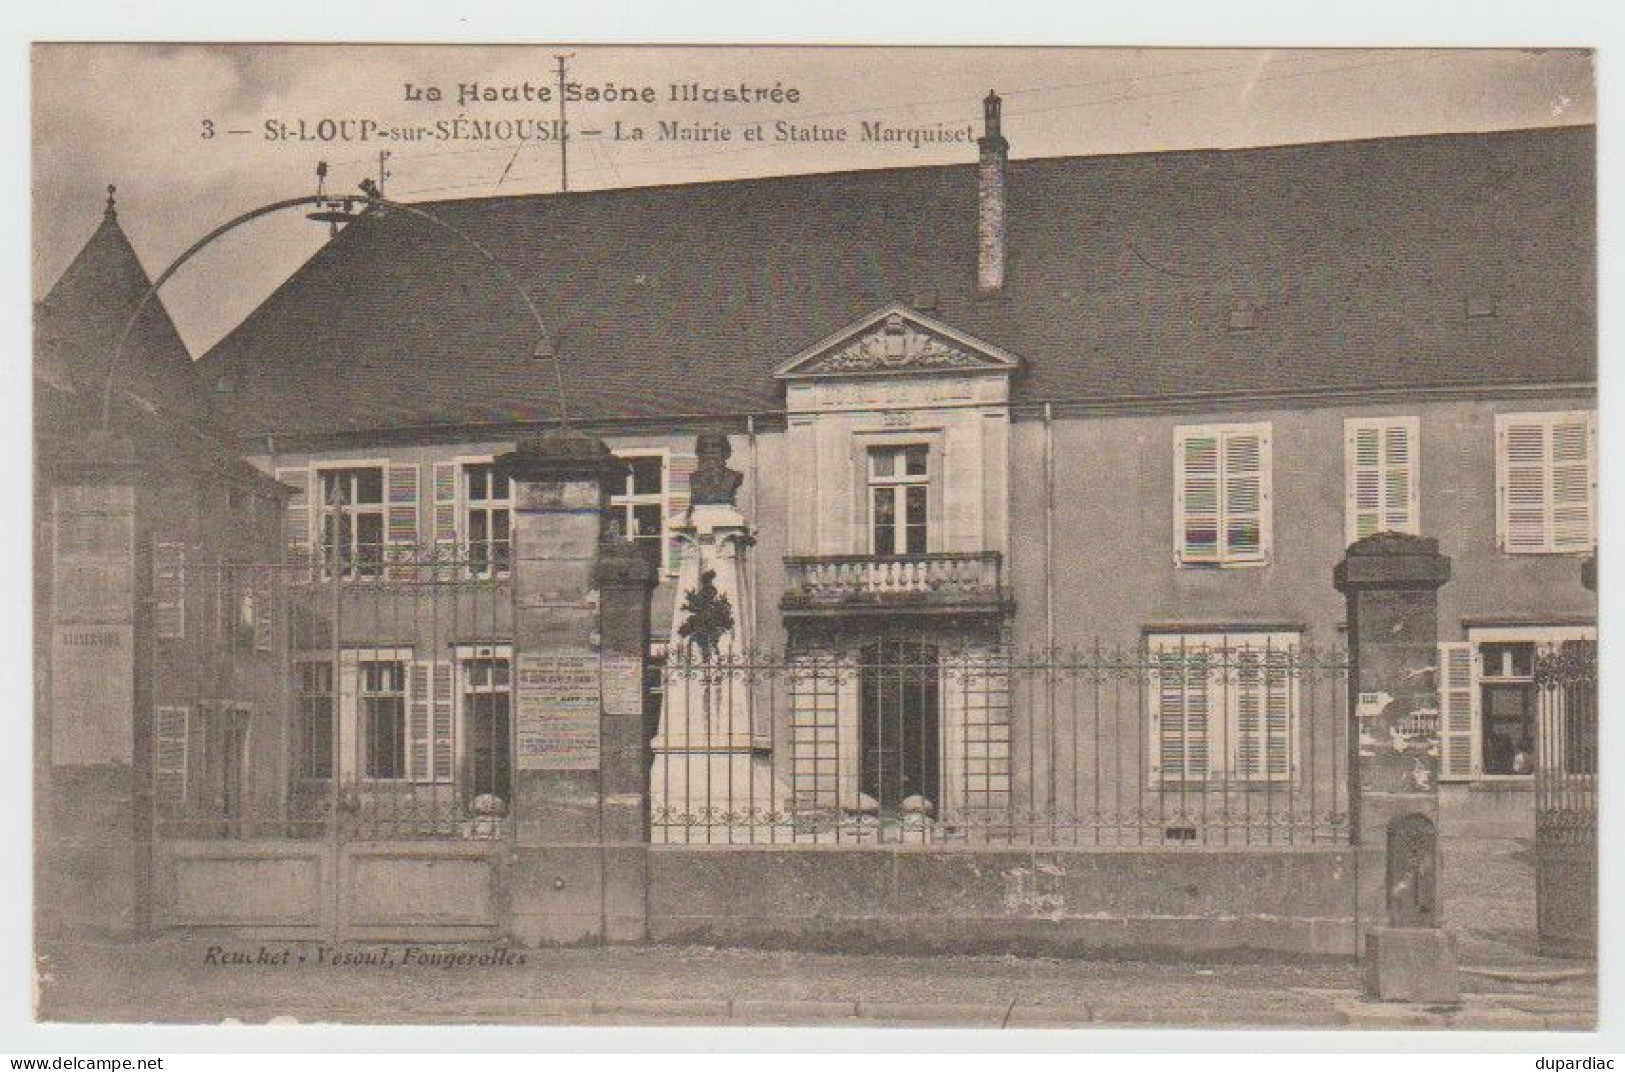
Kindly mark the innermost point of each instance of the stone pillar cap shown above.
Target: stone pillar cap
(559, 455)
(1392, 560)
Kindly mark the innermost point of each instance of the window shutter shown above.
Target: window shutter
(1180, 717)
(1260, 690)
(445, 509)
(441, 727)
(264, 610)
(1521, 496)
(401, 519)
(418, 721)
(1545, 482)
(296, 518)
(679, 470)
(1399, 479)
(1246, 496)
(1457, 699)
(347, 728)
(169, 590)
(1573, 483)
(1382, 476)
(1196, 495)
(172, 726)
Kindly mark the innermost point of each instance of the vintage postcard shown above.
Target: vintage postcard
(889, 536)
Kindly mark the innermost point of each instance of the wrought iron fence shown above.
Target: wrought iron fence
(293, 700)
(1178, 741)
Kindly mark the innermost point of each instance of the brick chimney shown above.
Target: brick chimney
(990, 201)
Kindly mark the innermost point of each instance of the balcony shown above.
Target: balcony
(934, 583)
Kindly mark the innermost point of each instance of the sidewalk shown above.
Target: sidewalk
(173, 981)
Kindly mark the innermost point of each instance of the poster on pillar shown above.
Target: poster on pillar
(558, 699)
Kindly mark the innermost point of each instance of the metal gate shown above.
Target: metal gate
(1566, 800)
(331, 743)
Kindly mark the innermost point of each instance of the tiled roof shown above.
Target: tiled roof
(77, 327)
(1354, 263)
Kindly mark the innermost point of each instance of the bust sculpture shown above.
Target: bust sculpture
(713, 483)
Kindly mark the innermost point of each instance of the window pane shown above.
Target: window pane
(916, 504)
(646, 476)
(369, 486)
(915, 458)
(883, 462)
(479, 482)
(370, 539)
(646, 521)
(885, 524)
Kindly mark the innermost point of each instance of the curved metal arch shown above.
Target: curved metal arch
(314, 199)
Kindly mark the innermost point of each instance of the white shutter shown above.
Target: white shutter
(419, 716)
(679, 469)
(263, 587)
(1573, 482)
(1181, 713)
(1520, 455)
(297, 514)
(1262, 714)
(1545, 482)
(401, 516)
(1246, 496)
(1196, 496)
(347, 730)
(1382, 476)
(169, 590)
(170, 747)
(445, 509)
(441, 724)
(1458, 719)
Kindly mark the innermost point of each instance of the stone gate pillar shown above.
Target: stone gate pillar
(1391, 582)
(581, 624)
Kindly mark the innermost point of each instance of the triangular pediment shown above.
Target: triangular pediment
(893, 341)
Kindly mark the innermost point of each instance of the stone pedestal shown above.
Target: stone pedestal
(1391, 582)
(712, 770)
(1416, 964)
(580, 633)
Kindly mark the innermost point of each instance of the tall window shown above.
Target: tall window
(488, 517)
(1546, 482)
(352, 521)
(640, 506)
(487, 690)
(901, 714)
(383, 718)
(1222, 507)
(315, 698)
(1224, 707)
(899, 500)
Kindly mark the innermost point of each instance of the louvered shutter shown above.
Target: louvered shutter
(1246, 496)
(1196, 497)
(401, 517)
(264, 590)
(445, 511)
(1521, 492)
(169, 590)
(171, 730)
(349, 729)
(419, 719)
(1382, 476)
(1181, 709)
(1572, 483)
(1261, 715)
(679, 471)
(296, 516)
(442, 722)
(1457, 699)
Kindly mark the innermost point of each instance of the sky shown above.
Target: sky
(157, 120)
